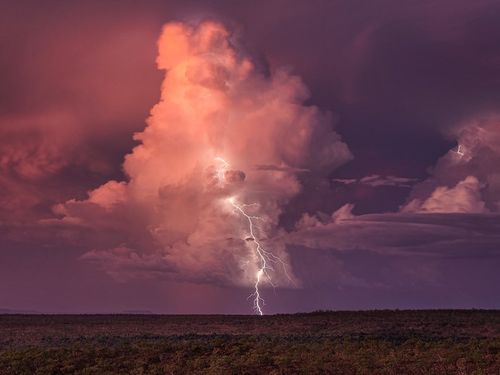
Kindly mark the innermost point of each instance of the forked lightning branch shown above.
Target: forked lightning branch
(263, 257)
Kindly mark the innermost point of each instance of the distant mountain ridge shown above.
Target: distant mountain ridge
(4, 311)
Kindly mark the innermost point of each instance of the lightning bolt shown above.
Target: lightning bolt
(221, 172)
(258, 301)
(264, 257)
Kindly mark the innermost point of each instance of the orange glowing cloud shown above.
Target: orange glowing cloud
(214, 104)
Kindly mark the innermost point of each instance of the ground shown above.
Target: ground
(369, 342)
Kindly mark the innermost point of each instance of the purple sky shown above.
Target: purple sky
(405, 212)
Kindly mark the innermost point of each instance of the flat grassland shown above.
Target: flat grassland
(369, 342)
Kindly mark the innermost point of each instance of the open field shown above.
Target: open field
(374, 342)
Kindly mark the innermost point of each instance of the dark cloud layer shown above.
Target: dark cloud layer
(405, 84)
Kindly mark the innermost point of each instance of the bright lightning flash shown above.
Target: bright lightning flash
(264, 257)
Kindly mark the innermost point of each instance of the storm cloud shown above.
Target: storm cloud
(366, 132)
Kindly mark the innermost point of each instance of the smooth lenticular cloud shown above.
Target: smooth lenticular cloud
(219, 120)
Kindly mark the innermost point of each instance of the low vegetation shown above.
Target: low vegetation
(377, 342)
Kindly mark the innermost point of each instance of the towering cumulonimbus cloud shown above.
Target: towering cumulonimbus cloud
(218, 122)
(466, 179)
(465, 197)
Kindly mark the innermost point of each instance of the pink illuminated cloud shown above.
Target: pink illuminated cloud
(215, 107)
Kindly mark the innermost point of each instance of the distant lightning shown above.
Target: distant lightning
(462, 153)
(221, 172)
(264, 257)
